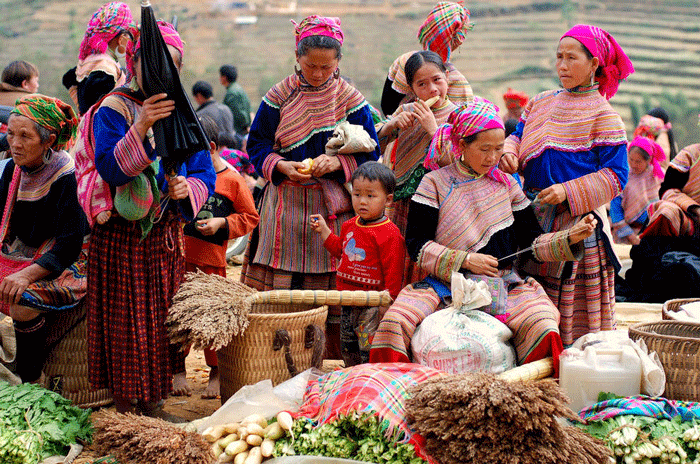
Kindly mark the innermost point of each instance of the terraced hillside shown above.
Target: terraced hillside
(513, 43)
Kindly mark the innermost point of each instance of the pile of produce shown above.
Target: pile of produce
(248, 441)
(208, 311)
(353, 436)
(132, 438)
(648, 440)
(481, 418)
(36, 423)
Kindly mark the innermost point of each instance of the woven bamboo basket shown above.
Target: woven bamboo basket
(672, 306)
(285, 335)
(678, 346)
(67, 364)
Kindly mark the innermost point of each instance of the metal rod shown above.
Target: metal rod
(530, 248)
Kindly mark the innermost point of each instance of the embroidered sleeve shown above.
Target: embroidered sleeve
(201, 182)
(585, 194)
(439, 260)
(554, 246)
(348, 164)
(679, 198)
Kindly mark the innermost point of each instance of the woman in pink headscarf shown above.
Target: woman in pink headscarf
(570, 147)
(629, 212)
(470, 217)
(293, 123)
(108, 34)
(136, 257)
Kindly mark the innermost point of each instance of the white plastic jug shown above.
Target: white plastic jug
(599, 368)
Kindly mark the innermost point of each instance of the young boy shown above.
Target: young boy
(370, 248)
(229, 213)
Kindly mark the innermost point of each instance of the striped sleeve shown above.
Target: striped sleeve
(589, 192)
(555, 246)
(130, 154)
(679, 198)
(439, 260)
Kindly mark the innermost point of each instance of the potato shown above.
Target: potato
(240, 457)
(267, 447)
(236, 447)
(254, 456)
(254, 440)
(212, 434)
(255, 429)
(230, 438)
(274, 431)
(223, 457)
(232, 427)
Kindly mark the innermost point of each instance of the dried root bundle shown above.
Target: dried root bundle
(139, 439)
(208, 311)
(482, 419)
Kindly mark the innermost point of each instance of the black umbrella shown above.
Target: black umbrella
(179, 135)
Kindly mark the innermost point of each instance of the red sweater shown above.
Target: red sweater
(232, 200)
(371, 256)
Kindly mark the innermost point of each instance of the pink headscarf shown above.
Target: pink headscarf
(111, 19)
(614, 63)
(171, 38)
(318, 25)
(655, 152)
(471, 118)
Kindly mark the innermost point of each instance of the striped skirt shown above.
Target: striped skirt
(586, 298)
(533, 319)
(131, 284)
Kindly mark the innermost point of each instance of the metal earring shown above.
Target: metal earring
(336, 73)
(46, 157)
(297, 71)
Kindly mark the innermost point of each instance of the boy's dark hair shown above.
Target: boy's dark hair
(203, 88)
(211, 129)
(228, 140)
(19, 71)
(229, 72)
(372, 170)
(417, 60)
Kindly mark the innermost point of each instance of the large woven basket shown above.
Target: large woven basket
(67, 364)
(678, 346)
(285, 335)
(672, 306)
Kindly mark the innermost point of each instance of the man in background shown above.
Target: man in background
(236, 99)
(203, 94)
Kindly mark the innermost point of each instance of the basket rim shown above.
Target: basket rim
(264, 316)
(637, 328)
(668, 303)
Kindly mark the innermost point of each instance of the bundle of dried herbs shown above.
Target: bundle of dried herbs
(480, 418)
(208, 311)
(139, 439)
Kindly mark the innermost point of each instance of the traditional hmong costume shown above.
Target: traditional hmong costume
(629, 211)
(294, 122)
(574, 138)
(136, 266)
(443, 30)
(679, 192)
(456, 212)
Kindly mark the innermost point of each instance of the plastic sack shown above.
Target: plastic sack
(463, 341)
(348, 139)
(262, 399)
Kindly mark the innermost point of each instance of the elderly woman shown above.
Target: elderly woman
(108, 34)
(294, 121)
(442, 32)
(445, 237)
(137, 256)
(571, 149)
(42, 227)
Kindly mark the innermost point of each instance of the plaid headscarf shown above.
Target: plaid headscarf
(171, 38)
(318, 25)
(655, 152)
(471, 118)
(50, 113)
(110, 20)
(613, 61)
(445, 29)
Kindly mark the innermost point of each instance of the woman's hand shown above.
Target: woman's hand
(289, 169)
(478, 263)
(552, 195)
(211, 225)
(12, 287)
(324, 164)
(154, 108)
(509, 163)
(178, 188)
(582, 229)
(425, 117)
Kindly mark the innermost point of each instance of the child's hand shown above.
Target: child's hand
(425, 117)
(318, 225)
(211, 225)
(582, 229)
(103, 217)
(401, 121)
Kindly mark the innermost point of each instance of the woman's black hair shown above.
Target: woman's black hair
(318, 41)
(661, 113)
(372, 170)
(417, 60)
(470, 138)
(599, 69)
(44, 133)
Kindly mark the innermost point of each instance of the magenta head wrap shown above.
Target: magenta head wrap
(471, 118)
(445, 29)
(655, 152)
(614, 63)
(318, 25)
(171, 38)
(110, 20)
